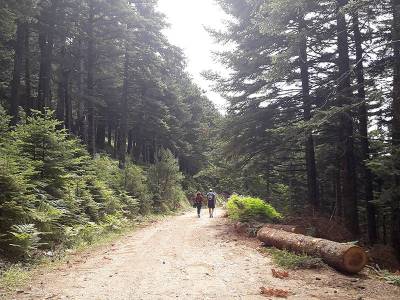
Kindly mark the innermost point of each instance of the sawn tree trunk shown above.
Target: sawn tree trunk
(344, 257)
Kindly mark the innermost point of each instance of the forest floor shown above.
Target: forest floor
(190, 258)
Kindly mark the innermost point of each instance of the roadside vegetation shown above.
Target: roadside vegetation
(386, 275)
(100, 124)
(54, 196)
(246, 209)
(289, 260)
(15, 275)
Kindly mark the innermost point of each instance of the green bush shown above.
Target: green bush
(113, 223)
(49, 182)
(129, 182)
(135, 185)
(246, 209)
(130, 205)
(84, 234)
(164, 180)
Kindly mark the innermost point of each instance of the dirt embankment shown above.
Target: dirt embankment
(190, 258)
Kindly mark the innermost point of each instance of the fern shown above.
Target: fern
(25, 239)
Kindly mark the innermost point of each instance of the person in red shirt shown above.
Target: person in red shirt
(198, 201)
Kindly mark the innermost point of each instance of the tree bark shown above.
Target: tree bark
(344, 257)
(363, 119)
(62, 83)
(288, 228)
(395, 203)
(116, 141)
(68, 104)
(344, 96)
(124, 112)
(109, 131)
(309, 141)
(130, 143)
(338, 194)
(101, 134)
(28, 85)
(91, 140)
(46, 37)
(15, 100)
(80, 106)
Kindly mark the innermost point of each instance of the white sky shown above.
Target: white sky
(187, 19)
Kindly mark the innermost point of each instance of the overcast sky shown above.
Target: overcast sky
(187, 19)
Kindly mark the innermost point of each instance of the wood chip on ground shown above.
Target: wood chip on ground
(271, 292)
(279, 274)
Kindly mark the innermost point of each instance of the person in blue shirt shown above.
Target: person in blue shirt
(211, 197)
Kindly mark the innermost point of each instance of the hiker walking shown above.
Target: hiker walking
(198, 202)
(211, 197)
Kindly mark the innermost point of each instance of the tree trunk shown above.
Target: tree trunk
(344, 257)
(288, 228)
(136, 153)
(91, 141)
(395, 203)
(109, 131)
(124, 112)
(338, 195)
(28, 86)
(68, 104)
(116, 139)
(363, 119)
(15, 100)
(62, 83)
(80, 106)
(384, 231)
(309, 141)
(344, 95)
(46, 36)
(101, 134)
(130, 142)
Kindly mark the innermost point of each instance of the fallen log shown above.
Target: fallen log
(288, 228)
(344, 257)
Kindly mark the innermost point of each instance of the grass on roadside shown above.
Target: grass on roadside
(17, 276)
(290, 260)
(389, 277)
(14, 276)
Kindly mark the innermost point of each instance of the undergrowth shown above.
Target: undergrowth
(14, 276)
(389, 277)
(247, 209)
(54, 195)
(290, 260)
(19, 275)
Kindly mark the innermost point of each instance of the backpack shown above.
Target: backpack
(211, 196)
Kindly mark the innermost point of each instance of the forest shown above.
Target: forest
(313, 123)
(100, 121)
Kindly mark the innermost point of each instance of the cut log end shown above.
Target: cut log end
(354, 259)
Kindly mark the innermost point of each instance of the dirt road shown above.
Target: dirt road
(190, 258)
